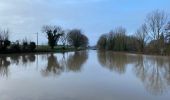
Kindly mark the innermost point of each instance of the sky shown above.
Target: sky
(24, 18)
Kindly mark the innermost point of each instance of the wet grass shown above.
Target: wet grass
(45, 49)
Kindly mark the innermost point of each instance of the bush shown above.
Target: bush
(15, 47)
(32, 46)
(24, 45)
(6, 43)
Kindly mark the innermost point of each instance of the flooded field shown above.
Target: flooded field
(84, 75)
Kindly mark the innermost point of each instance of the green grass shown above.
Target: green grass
(45, 49)
(59, 48)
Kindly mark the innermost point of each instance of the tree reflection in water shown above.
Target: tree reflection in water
(14, 59)
(154, 72)
(76, 60)
(27, 59)
(114, 61)
(4, 63)
(53, 66)
(72, 62)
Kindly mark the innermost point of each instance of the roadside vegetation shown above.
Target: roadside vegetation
(69, 41)
(152, 37)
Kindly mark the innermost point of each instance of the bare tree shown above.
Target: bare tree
(156, 21)
(53, 34)
(142, 36)
(63, 38)
(4, 34)
(4, 39)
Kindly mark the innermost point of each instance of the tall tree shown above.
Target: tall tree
(156, 21)
(114, 40)
(142, 36)
(53, 34)
(120, 39)
(77, 39)
(102, 42)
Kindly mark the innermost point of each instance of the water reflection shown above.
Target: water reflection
(4, 63)
(114, 61)
(27, 58)
(53, 67)
(15, 59)
(68, 62)
(153, 71)
(76, 60)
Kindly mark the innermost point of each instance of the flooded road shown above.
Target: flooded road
(84, 75)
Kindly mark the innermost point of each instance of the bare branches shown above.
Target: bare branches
(50, 28)
(53, 34)
(63, 39)
(142, 36)
(4, 34)
(142, 33)
(156, 21)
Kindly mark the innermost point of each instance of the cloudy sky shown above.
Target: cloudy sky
(26, 17)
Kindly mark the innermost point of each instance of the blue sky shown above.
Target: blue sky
(94, 17)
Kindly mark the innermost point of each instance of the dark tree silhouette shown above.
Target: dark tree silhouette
(77, 39)
(4, 39)
(32, 46)
(53, 34)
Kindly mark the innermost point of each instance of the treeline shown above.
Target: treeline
(151, 37)
(74, 37)
(68, 38)
(7, 46)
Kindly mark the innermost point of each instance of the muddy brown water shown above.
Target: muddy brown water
(84, 75)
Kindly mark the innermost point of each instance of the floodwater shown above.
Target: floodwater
(84, 75)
